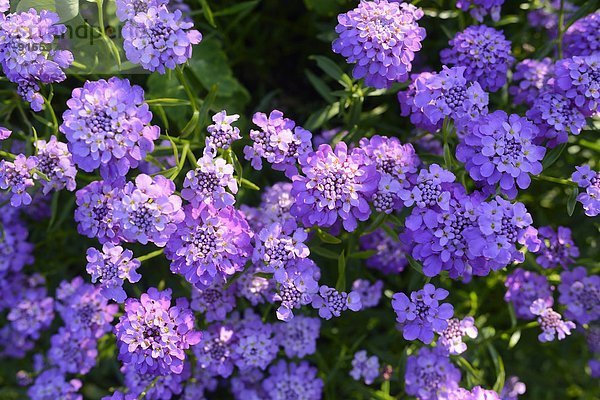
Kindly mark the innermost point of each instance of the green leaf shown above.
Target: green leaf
(499, 366)
(588, 7)
(553, 155)
(323, 7)
(66, 9)
(320, 251)
(168, 102)
(329, 67)
(247, 184)
(448, 156)
(320, 86)
(318, 118)
(572, 201)
(341, 281)
(327, 237)
(414, 264)
(514, 339)
(208, 14)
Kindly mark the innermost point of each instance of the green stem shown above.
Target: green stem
(561, 32)
(186, 87)
(151, 255)
(7, 154)
(107, 41)
(150, 386)
(52, 115)
(554, 180)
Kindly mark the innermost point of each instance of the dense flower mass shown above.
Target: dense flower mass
(108, 126)
(54, 161)
(110, 268)
(152, 335)
(381, 39)
(215, 302)
(430, 374)
(580, 294)
(298, 337)
(530, 79)
(389, 254)
(406, 98)
(422, 314)
(484, 52)
(28, 54)
(336, 184)
(51, 384)
(364, 367)
(579, 79)
(209, 182)
(222, 134)
(583, 37)
(17, 177)
(556, 117)
(499, 150)
(331, 302)
(480, 8)
(95, 212)
(449, 94)
(557, 248)
(451, 338)
(279, 141)
(292, 381)
(159, 39)
(551, 322)
(589, 180)
(209, 245)
(525, 287)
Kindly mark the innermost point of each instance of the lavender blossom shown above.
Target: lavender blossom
(408, 108)
(127, 9)
(578, 78)
(428, 190)
(16, 250)
(430, 374)
(95, 212)
(480, 8)
(17, 176)
(583, 36)
(292, 381)
(299, 289)
(331, 302)
(208, 183)
(422, 314)
(54, 161)
(4, 133)
(381, 39)
(256, 347)
(530, 79)
(215, 353)
(222, 134)
(390, 254)
(215, 302)
(550, 321)
(364, 367)
(525, 287)
(71, 354)
(556, 117)
(580, 294)
(512, 389)
(52, 384)
(589, 180)
(369, 294)
(558, 249)
(298, 337)
(451, 338)
(275, 206)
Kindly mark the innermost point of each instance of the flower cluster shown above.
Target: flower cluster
(370, 294)
(95, 212)
(280, 142)
(155, 37)
(389, 255)
(381, 38)
(557, 248)
(364, 367)
(17, 176)
(589, 180)
(430, 374)
(152, 335)
(336, 184)
(580, 294)
(298, 337)
(423, 313)
(525, 287)
(222, 134)
(331, 302)
(110, 268)
(451, 338)
(530, 79)
(449, 94)
(108, 126)
(579, 79)
(583, 37)
(408, 108)
(28, 54)
(54, 162)
(484, 52)
(214, 301)
(301, 287)
(550, 321)
(207, 184)
(292, 381)
(498, 150)
(480, 8)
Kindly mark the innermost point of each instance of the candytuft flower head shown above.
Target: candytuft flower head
(222, 134)
(480, 8)
(530, 79)
(52, 384)
(72, 354)
(583, 37)
(292, 381)
(215, 352)
(408, 108)
(449, 94)
(209, 182)
(430, 374)
(17, 176)
(523, 288)
(27, 52)
(209, 245)
(589, 180)
(111, 267)
(298, 336)
(127, 9)
(550, 321)
(451, 338)
(280, 142)
(422, 314)
(381, 38)
(336, 184)
(499, 150)
(54, 160)
(158, 39)
(365, 367)
(484, 52)
(331, 302)
(214, 301)
(95, 212)
(557, 248)
(300, 288)
(153, 335)
(580, 293)
(108, 126)
(579, 79)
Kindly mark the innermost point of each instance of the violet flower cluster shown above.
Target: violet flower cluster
(557, 248)
(364, 367)
(588, 179)
(530, 79)
(580, 294)
(480, 8)
(523, 288)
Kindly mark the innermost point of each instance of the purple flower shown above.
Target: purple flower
(556, 117)
(381, 39)
(148, 211)
(430, 374)
(523, 288)
(480, 8)
(299, 289)
(298, 337)
(579, 79)
(16, 251)
(547, 16)
(158, 39)
(32, 313)
(331, 302)
(214, 301)
(85, 312)
(558, 249)
(583, 37)
(449, 94)
(52, 384)
(95, 212)
(127, 9)
(27, 54)
(422, 314)
(429, 189)
(4, 133)
(256, 347)
(275, 206)
(208, 183)
(512, 388)
(255, 288)
(479, 393)
(451, 338)
(4, 6)
(108, 127)
(485, 54)
(222, 134)
(54, 161)
(111, 267)
(209, 245)
(589, 180)
(247, 386)
(71, 354)
(17, 176)
(280, 142)
(152, 335)
(165, 388)
(276, 250)
(369, 294)
(580, 294)
(215, 353)
(389, 254)
(530, 79)
(550, 321)
(364, 367)
(292, 381)
(499, 149)
(408, 108)
(335, 184)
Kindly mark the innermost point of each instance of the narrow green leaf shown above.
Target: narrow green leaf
(553, 155)
(514, 339)
(239, 8)
(572, 200)
(208, 14)
(363, 254)
(329, 67)
(247, 184)
(341, 281)
(447, 156)
(167, 102)
(414, 264)
(320, 86)
(327, 237)
(499, 366)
